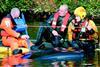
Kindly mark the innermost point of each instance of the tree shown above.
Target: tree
(39, 6)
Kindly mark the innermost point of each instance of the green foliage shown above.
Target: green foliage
(37, 6)
(24, 5)
(44, 5)
(92, 6)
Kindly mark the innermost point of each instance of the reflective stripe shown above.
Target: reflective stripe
(54, 19)
(86, 23)
(64, 26)
(7, 23)
(54, 23)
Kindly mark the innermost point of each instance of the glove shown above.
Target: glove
(62, 40)
(89, 27)
(55, 33)
(25, 37)
(34, 48)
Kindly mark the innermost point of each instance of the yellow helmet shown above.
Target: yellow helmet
(81, 12)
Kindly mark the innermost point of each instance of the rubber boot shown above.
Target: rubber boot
(17, 51)
(34, 47)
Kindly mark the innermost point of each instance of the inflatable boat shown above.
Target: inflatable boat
(51, 55)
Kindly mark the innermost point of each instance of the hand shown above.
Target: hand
(62, 40)
(62, 29)
(55, 33)
(89, 27)
(25, 37)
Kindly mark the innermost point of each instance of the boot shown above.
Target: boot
(34, 47)
(17, 51)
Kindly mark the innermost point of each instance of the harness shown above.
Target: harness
(81, 31)
(20, 24)
(65, 21)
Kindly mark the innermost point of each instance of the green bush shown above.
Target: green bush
(92, 6)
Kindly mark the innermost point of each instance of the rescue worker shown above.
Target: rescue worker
(82, 33)
(56, 28)
(14, 31)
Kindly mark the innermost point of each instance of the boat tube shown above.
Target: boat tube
(51, 55)
(62, 56)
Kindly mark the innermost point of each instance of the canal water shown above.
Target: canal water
(17, 61)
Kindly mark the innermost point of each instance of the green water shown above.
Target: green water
(82, 63)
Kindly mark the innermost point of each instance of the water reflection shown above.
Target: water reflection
(63, 64)
(15, 61)
(56, 64)
(18, 61)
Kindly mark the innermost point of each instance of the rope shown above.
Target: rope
(49, 26)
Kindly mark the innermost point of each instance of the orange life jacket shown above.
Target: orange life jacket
(4, 33)
(65, 20)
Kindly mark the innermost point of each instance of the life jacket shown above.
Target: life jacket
(77, 32)
(65, 21)
(4, 33)
(20, 24)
